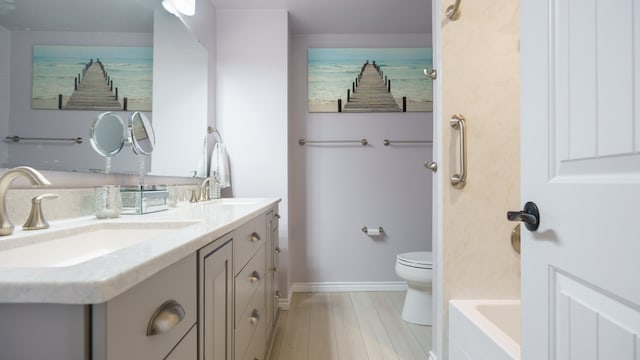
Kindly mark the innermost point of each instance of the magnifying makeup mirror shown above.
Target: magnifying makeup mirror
(141, 133)
(108, 135)
(143, 139)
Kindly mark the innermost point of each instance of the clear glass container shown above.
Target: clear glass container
(108, 202)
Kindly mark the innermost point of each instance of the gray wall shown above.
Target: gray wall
(336, 190)
(203, 26)
(252, 105)
(5, 44)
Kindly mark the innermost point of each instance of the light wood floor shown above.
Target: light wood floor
(348, 326)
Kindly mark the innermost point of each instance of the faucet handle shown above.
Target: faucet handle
(36, 220)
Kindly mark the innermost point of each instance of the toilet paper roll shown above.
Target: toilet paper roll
(373, 232)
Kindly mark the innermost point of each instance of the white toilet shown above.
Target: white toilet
(416, 268)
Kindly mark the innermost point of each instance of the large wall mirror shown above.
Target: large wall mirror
(179, 90)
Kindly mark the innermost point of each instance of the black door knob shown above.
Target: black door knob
(530, 216)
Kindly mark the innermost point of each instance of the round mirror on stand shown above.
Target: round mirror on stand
(141, 133)
(108, 135)
(143, 139)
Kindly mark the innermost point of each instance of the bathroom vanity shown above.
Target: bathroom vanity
(200, 285)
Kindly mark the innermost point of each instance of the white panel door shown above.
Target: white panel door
(581, 166)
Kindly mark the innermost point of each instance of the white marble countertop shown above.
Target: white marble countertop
(105, 277)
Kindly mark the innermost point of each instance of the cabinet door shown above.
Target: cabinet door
(216, 300)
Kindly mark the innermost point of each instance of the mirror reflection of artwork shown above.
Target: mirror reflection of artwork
(92, 78)
(369, 80)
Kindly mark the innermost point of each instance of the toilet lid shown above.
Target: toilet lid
(422, 259)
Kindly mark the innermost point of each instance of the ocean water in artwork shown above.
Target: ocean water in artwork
(56, 67)
(331, 71)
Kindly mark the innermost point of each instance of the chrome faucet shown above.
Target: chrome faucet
(204, 193)
(37, 179)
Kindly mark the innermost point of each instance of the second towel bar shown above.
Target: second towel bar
(388, 142)
(362, 142)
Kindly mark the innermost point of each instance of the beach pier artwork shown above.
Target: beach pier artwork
(92, 78)
(93, 90)
(371, 92)
(369, 80)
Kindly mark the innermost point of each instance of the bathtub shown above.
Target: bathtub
(484, 330)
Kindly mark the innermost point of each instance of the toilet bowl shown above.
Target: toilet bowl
(416, 268)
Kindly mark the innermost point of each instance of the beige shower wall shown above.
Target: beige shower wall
(480, 79)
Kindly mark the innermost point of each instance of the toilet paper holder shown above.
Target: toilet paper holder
(373, 232)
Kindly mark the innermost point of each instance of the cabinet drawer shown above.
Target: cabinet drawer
(120, 325)
(246, 283)
(248, 323)
(188, 347)
(247, 240)
(257, 347)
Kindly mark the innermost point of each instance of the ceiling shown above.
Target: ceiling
(78, 15)
(346, 16)
(305, 16)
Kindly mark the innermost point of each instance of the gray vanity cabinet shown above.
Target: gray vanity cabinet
(143, 323)
(218, 303)
(215, 315)
(272, 291)
(249, 263)
(187, 348)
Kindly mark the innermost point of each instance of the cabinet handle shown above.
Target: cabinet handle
(255, 277)
(255, 317)
(274, 269)
(255, 237)
(277, 250)
(277, 295)
(165, 318)
(277, 216)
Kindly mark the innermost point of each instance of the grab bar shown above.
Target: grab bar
(458, 180)
(362, 142)
(16, 139)
(453, 11)
(388, 142)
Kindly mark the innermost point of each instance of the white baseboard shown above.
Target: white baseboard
(348, 286)
(341, 287)
(284, 303)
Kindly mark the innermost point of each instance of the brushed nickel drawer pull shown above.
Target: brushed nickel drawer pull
(277, 250)
(165, 318)
(255, 237)
(255, 317)
(255, 277)
(277, 216)
(277, 295)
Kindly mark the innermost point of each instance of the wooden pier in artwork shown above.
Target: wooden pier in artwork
(93, 91)
(371, 92)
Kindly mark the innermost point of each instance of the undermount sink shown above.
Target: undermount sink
(79, 244)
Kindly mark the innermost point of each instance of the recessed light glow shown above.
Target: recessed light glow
(185, 7)
(167, 5)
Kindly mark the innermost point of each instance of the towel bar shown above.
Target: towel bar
(16, 139)
(362, 142)
(388, 142)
